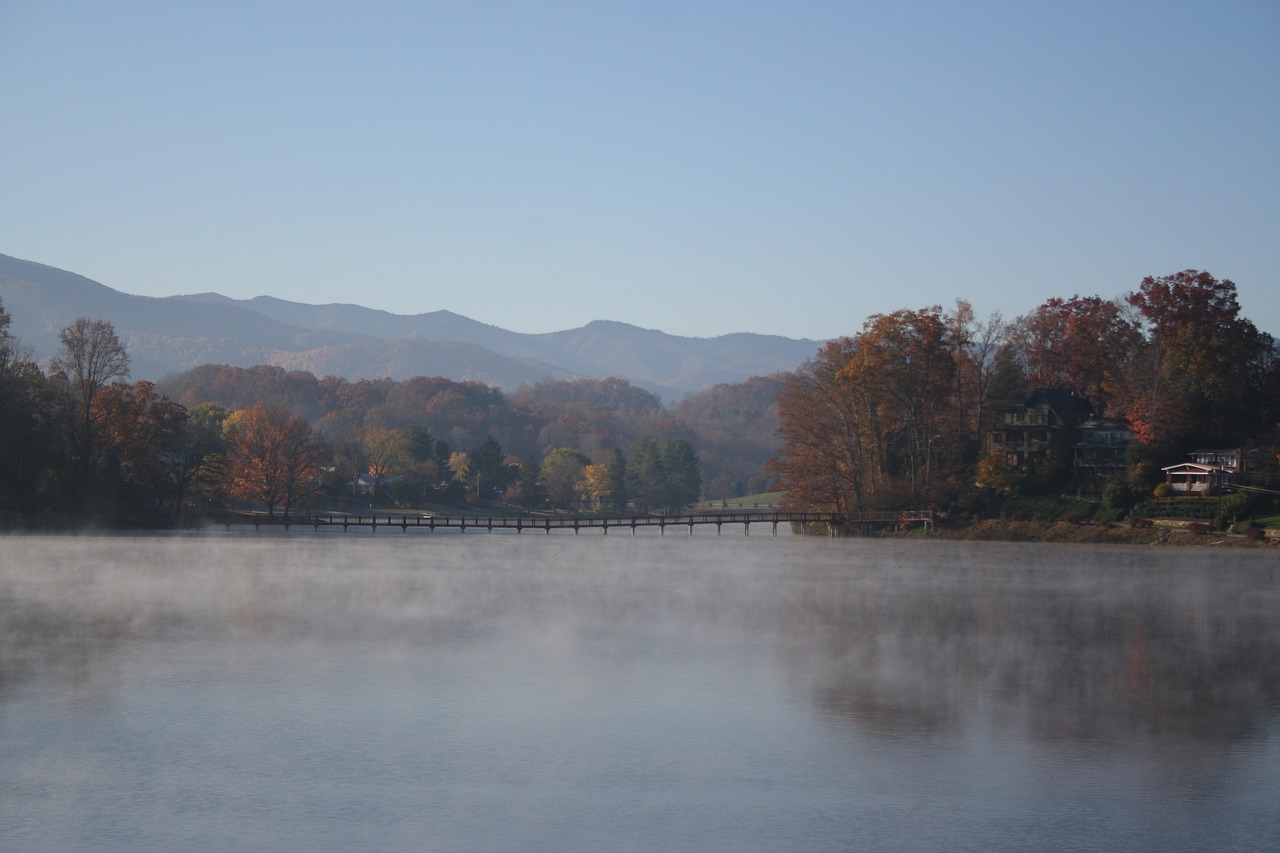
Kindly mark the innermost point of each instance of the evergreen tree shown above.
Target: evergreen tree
(647, 476)
(683, 474)
(617, 467)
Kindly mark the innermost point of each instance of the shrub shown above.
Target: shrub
(1164, 490)
(1199, 527)
(1118, 496)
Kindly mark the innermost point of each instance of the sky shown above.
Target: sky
(701, 168)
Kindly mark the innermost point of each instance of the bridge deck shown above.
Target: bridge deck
(576, 523)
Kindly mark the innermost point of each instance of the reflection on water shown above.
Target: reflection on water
(442, 691)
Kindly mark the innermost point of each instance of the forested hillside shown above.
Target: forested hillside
(83, 439)
(901, 413)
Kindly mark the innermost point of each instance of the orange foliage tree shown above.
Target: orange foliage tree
(1201, 373)
(273, 457)
(135, 430)
(869, 419)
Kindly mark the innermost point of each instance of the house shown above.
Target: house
(1029, 432)
(366, 484)
(1100, 451)
(1212, 469)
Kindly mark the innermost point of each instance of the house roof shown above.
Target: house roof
(1067, 405)
(1193, 468)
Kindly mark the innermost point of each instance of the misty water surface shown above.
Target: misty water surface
(455, 691)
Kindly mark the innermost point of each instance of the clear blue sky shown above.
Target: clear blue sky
(697, 167)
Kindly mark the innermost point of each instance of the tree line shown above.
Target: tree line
(80, 438)
(895, 415)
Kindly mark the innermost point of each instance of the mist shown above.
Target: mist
(490, 691)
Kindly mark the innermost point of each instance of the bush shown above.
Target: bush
(1199, 527)
(1118, 496)
(1164, 490)
(1255, 533)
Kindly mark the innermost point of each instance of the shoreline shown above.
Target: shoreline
(999, 530)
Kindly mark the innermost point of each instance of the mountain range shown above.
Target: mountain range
(166, 335)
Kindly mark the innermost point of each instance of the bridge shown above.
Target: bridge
(865, 521)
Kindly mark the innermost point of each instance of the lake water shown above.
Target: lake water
(454, 692)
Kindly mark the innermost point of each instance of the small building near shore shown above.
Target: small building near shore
(1212, 469)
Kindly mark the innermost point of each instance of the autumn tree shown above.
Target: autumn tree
(871, 419)
(134, 428)
(1205, 359)
(385, 450)
(827, 446)
(595, 485)
(986, 367)
(273, 457)
(903, 371)
(1077, 344)
(527, 491)
(562, 469)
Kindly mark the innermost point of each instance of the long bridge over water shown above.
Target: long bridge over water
(864, 521)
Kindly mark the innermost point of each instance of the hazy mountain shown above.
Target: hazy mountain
(170, 334)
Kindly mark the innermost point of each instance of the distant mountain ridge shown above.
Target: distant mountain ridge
(170, 334)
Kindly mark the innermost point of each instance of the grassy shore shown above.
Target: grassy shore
(1002, 530)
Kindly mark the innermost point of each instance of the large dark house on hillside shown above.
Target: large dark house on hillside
(1099, 453)
(1029, 432)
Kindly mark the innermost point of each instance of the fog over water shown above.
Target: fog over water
(448, 691)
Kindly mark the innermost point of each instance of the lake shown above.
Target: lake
(454, 692)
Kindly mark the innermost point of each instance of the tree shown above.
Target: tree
(384, 451)
(562, 474)
(646, 475)
(985, 366)
(193, 458)
(827, 437)
(903, 370)
(274, 457)
(617, 468)
(489, 468)
(1212, 362)
(1077, 344)
(91, 357)
(528, 492)
(21, 440)
(683, 474)
(135, 428)
(595, 485)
